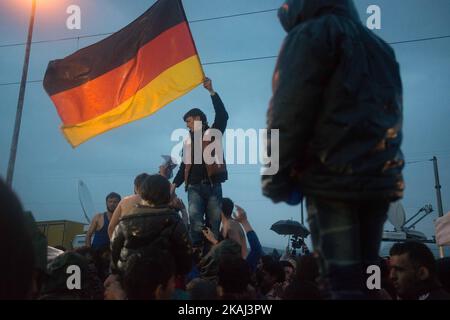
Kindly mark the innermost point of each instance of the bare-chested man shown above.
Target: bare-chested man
(127, 204)
(231, 229)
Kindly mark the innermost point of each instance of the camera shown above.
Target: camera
(298, 243)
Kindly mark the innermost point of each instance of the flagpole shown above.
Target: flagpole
(15, 138)
(192, 37)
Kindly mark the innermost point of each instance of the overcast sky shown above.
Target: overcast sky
(48, 169)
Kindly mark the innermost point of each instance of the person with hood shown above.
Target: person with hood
(152, 224)
(337, 102)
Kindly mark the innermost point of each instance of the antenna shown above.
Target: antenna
(427, 209)
(85, 200)
(396, 215)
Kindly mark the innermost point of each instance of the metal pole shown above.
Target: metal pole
(15, 138)
(438, 196)
(410, 219)
(421, 218)
(301, 211)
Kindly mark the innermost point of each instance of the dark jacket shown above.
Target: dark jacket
(428, 290)
(337, 102)
(256, 251)
(437, 294)
(209, 264)
(161, 227)
(216, 172)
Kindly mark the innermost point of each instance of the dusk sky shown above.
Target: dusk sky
(48, 168)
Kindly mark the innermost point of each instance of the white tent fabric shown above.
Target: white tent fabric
(52, 253)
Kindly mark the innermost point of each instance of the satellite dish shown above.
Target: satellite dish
(396, 215)
(416, 235)
(86, 200)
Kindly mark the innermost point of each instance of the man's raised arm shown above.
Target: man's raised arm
(221, 117)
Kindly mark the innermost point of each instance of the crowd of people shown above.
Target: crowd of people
(337, 103)
(151, 257)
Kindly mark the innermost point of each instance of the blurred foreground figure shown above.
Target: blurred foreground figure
(17, 266)
(337, 102)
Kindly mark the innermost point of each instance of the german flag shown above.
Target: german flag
(127, 76)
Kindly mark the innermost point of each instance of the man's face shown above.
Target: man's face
(404, 275)
(260, 264)
(190, 121)
(111, 204)
(289, 273)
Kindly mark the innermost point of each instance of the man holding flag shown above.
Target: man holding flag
(127, 76)
(132, 74)
(202, 178)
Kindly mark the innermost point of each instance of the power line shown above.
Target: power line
(58, 40)
(110, 33)
(204, 64)
(418, 161)
(239, 60)
(236, 60)
(16, 83)
(275, 56)
(196, 21)
(213, 62)
(420, 40)
(431, 151)
(234, 15)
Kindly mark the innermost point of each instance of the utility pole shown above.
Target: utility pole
(438, 196)
(23, 83)
(301, 211)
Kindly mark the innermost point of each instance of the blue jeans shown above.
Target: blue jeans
(346, 237)
(205, 207)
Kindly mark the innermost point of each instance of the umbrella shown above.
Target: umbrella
(290, 227)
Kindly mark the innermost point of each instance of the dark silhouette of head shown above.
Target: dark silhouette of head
(201, 289)
(234, 278)
(149, 275)
(156, 190)
(227, 207)
(194, 115)
(138, 181)
(272, 273)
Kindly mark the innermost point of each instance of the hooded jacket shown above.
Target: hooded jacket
(337, 102)
(146, 227)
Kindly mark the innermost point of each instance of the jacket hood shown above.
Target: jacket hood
(294, 12)
(146, 228)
